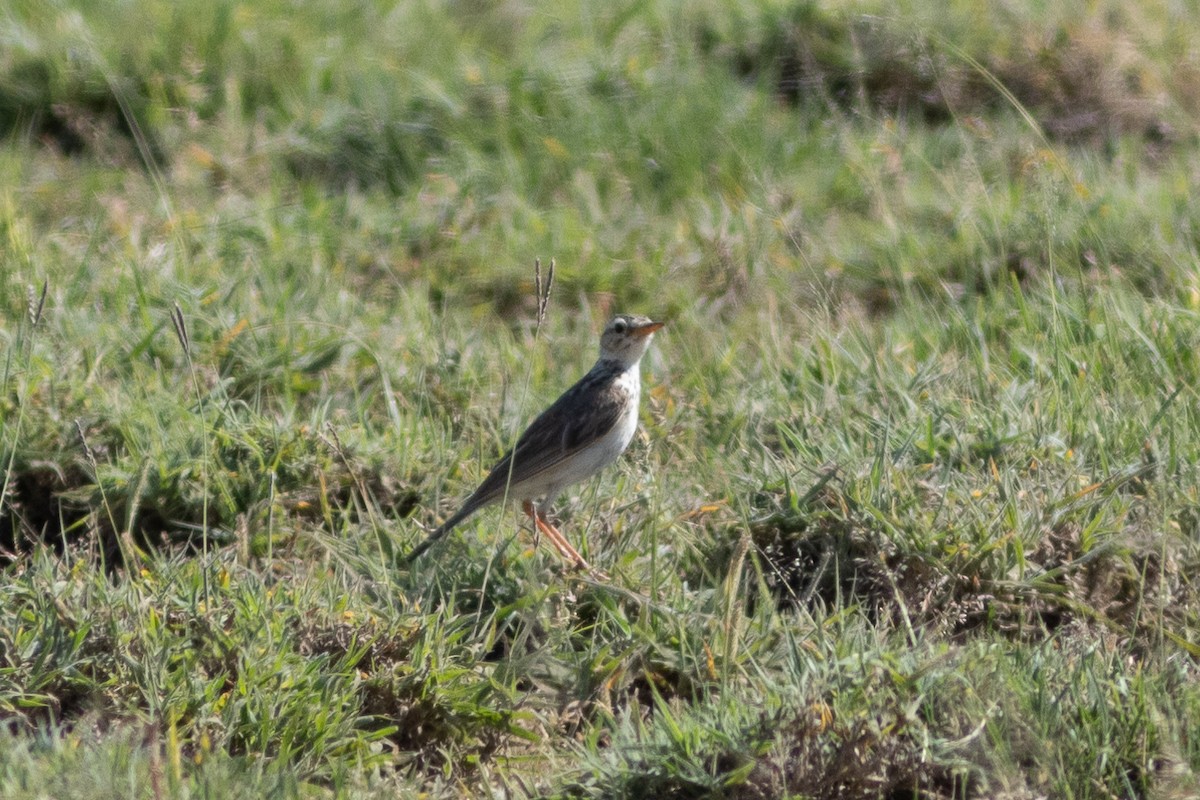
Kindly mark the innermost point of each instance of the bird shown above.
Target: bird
(581, 433)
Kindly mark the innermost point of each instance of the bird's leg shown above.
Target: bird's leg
(531, 511)
(543, 527)
(564, 548)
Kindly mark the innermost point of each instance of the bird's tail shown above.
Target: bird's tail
(438, 533)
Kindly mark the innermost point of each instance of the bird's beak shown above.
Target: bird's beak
(648, 328)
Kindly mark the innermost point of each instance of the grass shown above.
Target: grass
(913, 507)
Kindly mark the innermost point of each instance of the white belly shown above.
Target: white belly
(590, 460)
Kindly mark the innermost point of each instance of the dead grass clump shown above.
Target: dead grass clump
(1084, 80)
(825, 552)
(816, 755)
(36, 511)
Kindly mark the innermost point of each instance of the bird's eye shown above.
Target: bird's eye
(619, 326)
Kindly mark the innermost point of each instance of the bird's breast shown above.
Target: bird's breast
(608, 447)
(629, 384)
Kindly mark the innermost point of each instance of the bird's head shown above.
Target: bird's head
(626, 338)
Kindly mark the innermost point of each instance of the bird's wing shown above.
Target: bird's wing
(583, 414)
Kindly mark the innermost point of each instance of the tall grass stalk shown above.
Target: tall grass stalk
(179, 324)
(33, 316)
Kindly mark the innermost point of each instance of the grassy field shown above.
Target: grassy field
(914, 510)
